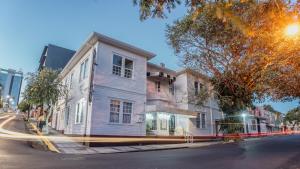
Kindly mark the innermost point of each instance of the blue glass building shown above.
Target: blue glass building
(10, 84)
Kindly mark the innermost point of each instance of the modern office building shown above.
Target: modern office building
(55, 57)
(114, 90)
(10, 83)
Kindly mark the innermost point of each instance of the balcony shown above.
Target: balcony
(161, 76)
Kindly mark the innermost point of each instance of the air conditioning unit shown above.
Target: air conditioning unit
(140, 118)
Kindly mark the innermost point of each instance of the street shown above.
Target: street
(282, 152)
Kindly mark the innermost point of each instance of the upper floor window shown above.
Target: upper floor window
(157, 86)
(83, 70)
(71, 81)
(201, 86)
(196, 88)
(128, 68)
(172, 88)
(117, 65)
(122, 66)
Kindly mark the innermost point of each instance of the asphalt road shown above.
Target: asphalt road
(282, 152)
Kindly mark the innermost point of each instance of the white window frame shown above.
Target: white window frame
(80, 111)
(202, 123)
(122, 67)
(83, 69)
(120, 111)
(117, 69)
(128, 69)
(253, 125)
(71, 80)
(127, 112)
(114, 109)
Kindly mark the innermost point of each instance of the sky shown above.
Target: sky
(26, 26)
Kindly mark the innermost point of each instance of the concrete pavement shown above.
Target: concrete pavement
(69, 146)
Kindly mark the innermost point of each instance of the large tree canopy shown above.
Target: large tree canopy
(44, 88)
(253, 54)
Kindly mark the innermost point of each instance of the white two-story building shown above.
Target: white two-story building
(114, 90)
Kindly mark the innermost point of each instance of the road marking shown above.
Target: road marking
(3, 117)
(45, 140)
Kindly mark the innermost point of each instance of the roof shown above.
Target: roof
(193, 72)
(123, 45)
(164, 69)
(55, 57)
(94, 38)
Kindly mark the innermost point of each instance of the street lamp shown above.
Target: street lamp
(292, 30)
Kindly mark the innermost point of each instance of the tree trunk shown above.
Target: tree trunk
(46, 131)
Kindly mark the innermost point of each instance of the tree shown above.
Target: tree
(44, 88)
(24, 106)
(293, 117)
(230, 36)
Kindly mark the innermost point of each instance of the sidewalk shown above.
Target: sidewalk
(69, 146)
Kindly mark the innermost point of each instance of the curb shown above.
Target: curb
(46, 141)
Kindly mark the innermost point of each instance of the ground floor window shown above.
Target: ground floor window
(201, 120)
(114, 111)
(79, 111)
(151, 121)
(163, 124)
(120, 109)
(253, 124)
(127, 111)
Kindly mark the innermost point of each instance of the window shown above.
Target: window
(83, 70)
(151, 121)
(201, 120)
(67, 115)
(172, 88)
(128, 68)
(157, 86)
(163, 124)
(71, 81)
(196, 87)
(201, 86)
(198, 120)
(253, 124)
(117, 65)
(79, 112)
(122, 66)
(127, 111)
(114, 111)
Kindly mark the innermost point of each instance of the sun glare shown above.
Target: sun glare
(292, 30)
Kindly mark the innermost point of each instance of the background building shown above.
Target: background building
(10, 82)
(55, 57)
